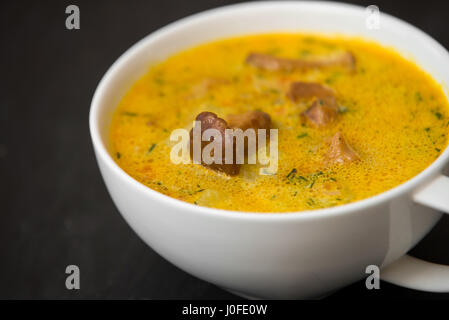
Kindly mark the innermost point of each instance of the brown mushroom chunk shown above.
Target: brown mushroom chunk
(251, 119)
(308, 90)
(324, 107)
(345, 59)
(340, 151)
(272, 63)
(208, 120)
(320, 113)
(269, 62)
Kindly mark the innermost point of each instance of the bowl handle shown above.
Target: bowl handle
(415, 273)
(435, 194)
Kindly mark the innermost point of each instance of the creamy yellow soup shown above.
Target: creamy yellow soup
(393, 114)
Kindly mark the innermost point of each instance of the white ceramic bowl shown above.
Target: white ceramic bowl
(285, 255)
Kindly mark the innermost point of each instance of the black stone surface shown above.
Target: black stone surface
(55, 210)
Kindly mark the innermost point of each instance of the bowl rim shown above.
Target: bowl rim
(102, 153)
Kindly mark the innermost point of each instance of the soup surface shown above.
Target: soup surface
(393, 116)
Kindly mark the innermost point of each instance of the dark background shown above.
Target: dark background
(55, 208)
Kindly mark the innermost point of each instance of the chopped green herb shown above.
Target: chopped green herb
(427, 129)
(152, 148)
(274, 196)
(438, 115)
(304, 53)
(302, 178)
(295, 193)
(333, 179)
(312, 184)
(302, 135)
(437, 149)
(292, 174)
(129, 114)
(159, 81)
(418, 96)
(118, 155)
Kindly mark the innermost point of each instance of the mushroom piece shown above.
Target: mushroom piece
(308, 90)
(252, 119)
(320, 113)
(209, 120)
(340, 151)
(324, 107)
(272, 63)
